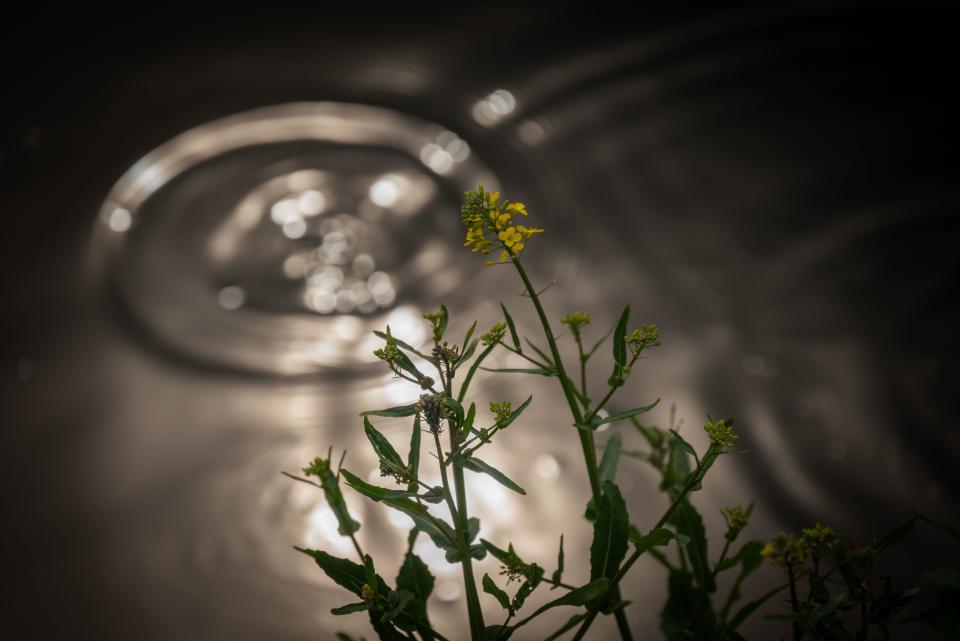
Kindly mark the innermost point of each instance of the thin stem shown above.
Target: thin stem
(526, 357)
(794, 606)
(586, 440)
(465, 559)
(460, 524)
(610, 393)
(472, 371)
(587, 444)
(559, 584)
(583, 371)
(356, 546)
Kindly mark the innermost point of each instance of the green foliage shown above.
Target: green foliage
(832, 588)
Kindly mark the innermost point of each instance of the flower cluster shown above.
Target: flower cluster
(721, 433)
(644, 338)
(490, 225)
(818, 536)
(785, 550)
(575, 321)
(431, 408)
(495, 335)
(737, 518)
(513, 566)
(501, 411)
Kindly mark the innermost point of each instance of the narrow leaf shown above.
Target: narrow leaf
(413, 456)
(627, 414)
(519, 370)
(620, 349)
(494, 590)
(399, 411)
(381, 445)
(476, 465)
(512, 328)
(558, 573)
(607, 469)
(352, 607)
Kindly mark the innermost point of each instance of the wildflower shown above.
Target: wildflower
(819, 535)
(785, 550)
(367, 593)
(501, 411)
(737, 518)
(721, 433)
(644, 338)
(489, 224)
(575, 321)
(495, 335)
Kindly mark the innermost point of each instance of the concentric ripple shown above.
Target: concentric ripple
(273, 240)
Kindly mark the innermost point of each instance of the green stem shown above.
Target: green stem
(794, 606)
(587, 444)
(586, 440)
(459, 518)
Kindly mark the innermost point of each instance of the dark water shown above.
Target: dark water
(217, 225)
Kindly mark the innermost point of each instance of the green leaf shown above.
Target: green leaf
(476, 465)
(346, 525)
(406, 346)
(415, 576)
(381, 446)
(749, 559)
(752, 606)
(533, 576)
(654, 538)
(397, 602)
(607, 470)
(540, 352)
(399, 411)
(558, 573)
(686, 614)
(515, 413)
(470, 331)
(520, 370)
(579, 597)
(571, 623)
(687, 521)
(627, 414)
(467, 353)
(679, 440)
(943, 576)
(610, 533)
(442, 325)
(512, 328)
(895, 535)
(345, 573)
(352, 607)
(439, 532)
(620, 349)
(493, 589)
(413, 456)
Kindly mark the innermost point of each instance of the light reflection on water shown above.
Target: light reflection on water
(272, 242)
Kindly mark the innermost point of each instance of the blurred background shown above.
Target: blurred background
(204, 218)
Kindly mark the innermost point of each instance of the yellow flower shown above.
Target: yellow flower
(768, 550)
(493, 197)
(528, 232)
(519, 208)
(510, 236)
(503, 220)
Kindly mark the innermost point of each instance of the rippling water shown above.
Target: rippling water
(722, 176)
